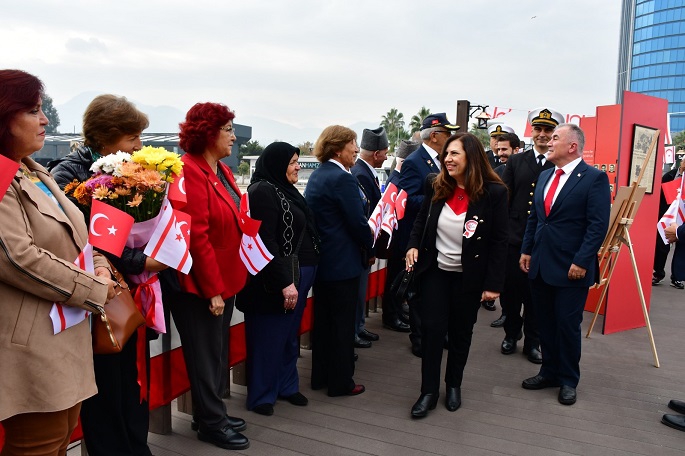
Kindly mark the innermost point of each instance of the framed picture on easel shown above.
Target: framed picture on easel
(642, 138)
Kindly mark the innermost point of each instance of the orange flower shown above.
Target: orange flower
(101, 193)
(135, 202)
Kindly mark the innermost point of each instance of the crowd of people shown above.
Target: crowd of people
(479, 226)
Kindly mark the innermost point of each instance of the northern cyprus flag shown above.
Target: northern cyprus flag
(64, 316)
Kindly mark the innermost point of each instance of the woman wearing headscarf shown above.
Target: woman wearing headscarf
(115, 421)
(202, 309)
(44, 377)
(457, 249)
(274, 299)
(335, 197)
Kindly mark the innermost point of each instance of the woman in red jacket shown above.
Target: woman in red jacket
(202, 310)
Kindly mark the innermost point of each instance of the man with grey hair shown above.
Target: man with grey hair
(373, 152)
(435, 129)
(568, 221)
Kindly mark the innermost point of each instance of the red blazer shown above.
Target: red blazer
(214, 232)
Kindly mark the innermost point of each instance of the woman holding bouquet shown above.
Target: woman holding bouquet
(44, 376)
(202, 310)
(274, 300)
(115, 421)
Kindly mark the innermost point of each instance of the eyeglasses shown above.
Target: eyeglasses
(228, 130)
(447, 132)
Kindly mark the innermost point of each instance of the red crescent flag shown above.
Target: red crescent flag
(390, 194)
(177, 191)
(109, 227)
(8, 168)
(248, 226)
(401, 204)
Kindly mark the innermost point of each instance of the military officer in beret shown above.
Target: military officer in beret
(520, 176)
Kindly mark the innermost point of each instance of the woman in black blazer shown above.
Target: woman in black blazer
(458, 261)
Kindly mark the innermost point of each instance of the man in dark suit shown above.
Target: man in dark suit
(394, 317)
(520, 176)
(435, 129)
(568, 222)
(676, 235)
(373, 152)
(662, 250)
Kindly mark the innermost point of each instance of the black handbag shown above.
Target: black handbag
(400, 287)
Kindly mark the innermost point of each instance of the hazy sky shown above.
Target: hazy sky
(313, 63)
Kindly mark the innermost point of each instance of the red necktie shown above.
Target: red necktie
(552, 190)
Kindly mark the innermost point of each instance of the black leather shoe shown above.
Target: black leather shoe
(403, 317)
(674, 421)
(298, 399)
(508, 346)
(489, 305)
(567, 395)
(396, 325)
(537, 383)
(425, 403)
(356, 357)
(368, 335)
(453, 399)
(533, 354)
(678, 406)
(361, 343)
(499, 322)
(225, 438)
(237, 424)
(416, 350)
(264, 409)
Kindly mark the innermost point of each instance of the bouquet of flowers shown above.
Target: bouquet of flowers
(137, 184)
(134, 183)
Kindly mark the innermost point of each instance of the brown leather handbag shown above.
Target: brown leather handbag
(112, 329)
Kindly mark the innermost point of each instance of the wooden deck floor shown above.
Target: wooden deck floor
(621, 398)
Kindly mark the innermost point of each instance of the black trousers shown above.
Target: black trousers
(661, 252)
(335, 305)
(517, 295)
(446, 309)
(390, 307)
(202, 339)
(114, 421)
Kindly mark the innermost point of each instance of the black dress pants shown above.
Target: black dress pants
(335, 304)
(203, 348)
(390, 307)
(517, 295)
(446, 309)
(114, 421)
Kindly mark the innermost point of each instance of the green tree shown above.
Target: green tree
(250, 148)
(306, 148)
(393, 122)
(417, 119)
(679, 140)
(481, 134)
(51, 113)
(243, 168)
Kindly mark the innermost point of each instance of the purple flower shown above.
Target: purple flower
(104, 180)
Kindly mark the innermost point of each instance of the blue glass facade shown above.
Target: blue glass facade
(656, 45)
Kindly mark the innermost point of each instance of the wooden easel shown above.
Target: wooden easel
(623, 212)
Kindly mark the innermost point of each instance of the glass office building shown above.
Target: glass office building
(652, 53)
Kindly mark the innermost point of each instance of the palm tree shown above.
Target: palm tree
(417, 119)
(393, 122)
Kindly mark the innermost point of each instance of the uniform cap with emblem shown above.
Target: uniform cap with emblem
(374, 140)
(499, 129)
(438, 120)
(545, 117)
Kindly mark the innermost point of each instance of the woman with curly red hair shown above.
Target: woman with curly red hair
(202, 309)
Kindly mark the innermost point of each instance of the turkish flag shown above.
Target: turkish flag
(177, 191)
(109, 227)
(248, 226)
(390, 195)
(670, 190)
(401, 204)
(168, 244)
(8, 168)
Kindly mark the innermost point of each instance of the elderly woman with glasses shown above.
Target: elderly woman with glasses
(202, 309)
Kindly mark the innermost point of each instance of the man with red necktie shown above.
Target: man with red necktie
(568, 222)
